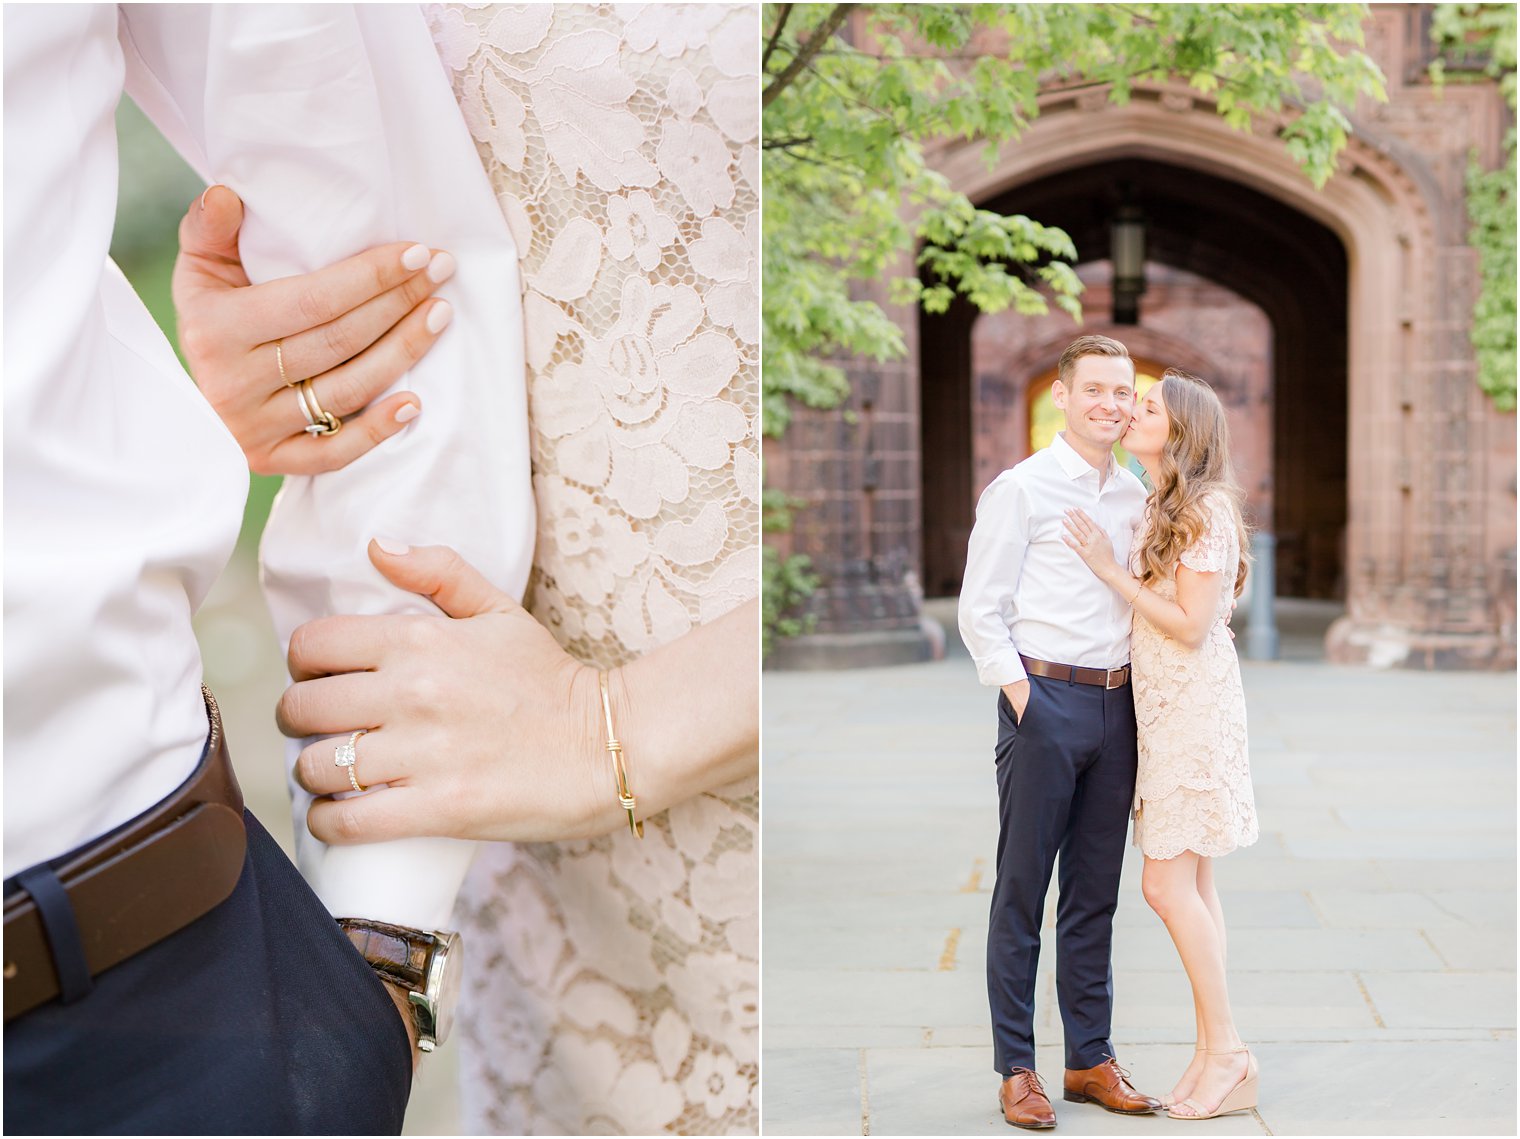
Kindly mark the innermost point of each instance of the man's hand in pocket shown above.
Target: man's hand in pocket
(1018, 696)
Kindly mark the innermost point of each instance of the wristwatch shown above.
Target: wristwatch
(428, 965)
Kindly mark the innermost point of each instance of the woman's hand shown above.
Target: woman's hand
(353, 329)
(1091, 543)
(480, 725)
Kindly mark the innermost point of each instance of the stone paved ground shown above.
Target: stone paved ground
(1372, 952)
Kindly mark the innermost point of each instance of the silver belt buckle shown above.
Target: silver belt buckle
(1109, 683)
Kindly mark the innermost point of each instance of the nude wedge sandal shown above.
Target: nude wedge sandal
(1241, 1097)
(1166, 1100)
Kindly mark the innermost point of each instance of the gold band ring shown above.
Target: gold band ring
(318, 422)
(347, 756)
(279, 360)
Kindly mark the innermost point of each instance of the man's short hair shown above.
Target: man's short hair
(1088, 346)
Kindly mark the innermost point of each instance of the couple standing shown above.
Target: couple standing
(1095, 717)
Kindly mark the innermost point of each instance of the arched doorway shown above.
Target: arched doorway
(1373, 433)
(1245, 291)
(1402, 474)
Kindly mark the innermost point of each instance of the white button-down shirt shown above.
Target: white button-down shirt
(1025, 590)
(123, 491)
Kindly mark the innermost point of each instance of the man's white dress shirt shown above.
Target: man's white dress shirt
(337, 126)
(1025, 590)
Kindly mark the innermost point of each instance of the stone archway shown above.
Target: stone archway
(1418, 564)
(1423, 466)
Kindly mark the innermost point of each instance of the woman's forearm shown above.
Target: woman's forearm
(688, 713)
(1187, 626)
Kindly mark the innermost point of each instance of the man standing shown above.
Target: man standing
(167, 970)
(1055, 640)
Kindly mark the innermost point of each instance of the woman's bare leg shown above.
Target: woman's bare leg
(1171, 886)
(1205, 879)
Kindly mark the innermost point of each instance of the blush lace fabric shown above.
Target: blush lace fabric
(612, 983)
(1194, 778)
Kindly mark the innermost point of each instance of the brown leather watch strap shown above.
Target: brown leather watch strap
(138, 884)
(393, 951)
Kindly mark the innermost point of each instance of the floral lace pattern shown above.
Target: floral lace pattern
(613, 984)
(1194, 782)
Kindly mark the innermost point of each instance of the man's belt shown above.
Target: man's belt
(1102, 677)
(130, 889)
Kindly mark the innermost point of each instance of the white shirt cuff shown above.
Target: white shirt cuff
(1004, 668)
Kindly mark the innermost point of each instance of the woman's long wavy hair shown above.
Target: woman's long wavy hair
(1194, 464)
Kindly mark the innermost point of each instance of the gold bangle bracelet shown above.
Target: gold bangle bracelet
(614, 747)
(1139, 585)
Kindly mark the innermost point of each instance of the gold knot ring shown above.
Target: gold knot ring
(318, 422)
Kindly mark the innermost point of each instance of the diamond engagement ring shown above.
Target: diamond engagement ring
(347, 755)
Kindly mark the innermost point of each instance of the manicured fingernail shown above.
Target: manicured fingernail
(416, 257)
(407, 412)
(392, 547)
(204, 192)
(438, 316)
(441, 268)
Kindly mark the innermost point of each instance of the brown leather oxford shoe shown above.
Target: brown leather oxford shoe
(1024, 1102)
(1108, 1086)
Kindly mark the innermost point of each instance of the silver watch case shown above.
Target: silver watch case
(434, 1006)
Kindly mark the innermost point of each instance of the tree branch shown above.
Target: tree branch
(805, 53)
(770, 47)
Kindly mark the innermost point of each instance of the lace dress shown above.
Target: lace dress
(1193, 787)
(612, 984)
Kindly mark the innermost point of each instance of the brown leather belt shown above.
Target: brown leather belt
(1102, 677)
(137, 885)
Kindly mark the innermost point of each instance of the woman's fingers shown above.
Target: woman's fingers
(352, 385)
(306, 454)
(327, 646)
(282, 308)
(376, 759)
(441, 575)
(353, 329)
(388, 813)
(347, 392)
(323, 348)
(208, 237)
(331, 704)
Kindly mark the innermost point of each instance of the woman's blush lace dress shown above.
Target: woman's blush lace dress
(612, 984)
(1194, 779)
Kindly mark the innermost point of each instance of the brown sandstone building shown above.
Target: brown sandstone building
(1333, 323)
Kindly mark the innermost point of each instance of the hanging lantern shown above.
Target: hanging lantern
(1127, 252)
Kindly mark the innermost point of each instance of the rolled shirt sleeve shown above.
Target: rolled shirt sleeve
(337, 126)
(994, 560)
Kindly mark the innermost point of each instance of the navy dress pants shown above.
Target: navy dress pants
(1066, 779)
(259, 1018)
